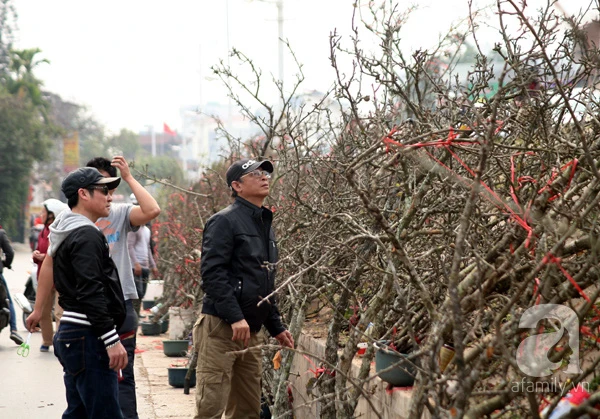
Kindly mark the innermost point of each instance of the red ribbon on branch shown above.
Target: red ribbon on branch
(550, 258)
(573, 165)
(500, 203)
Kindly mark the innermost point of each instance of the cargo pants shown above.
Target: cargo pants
(226, 382)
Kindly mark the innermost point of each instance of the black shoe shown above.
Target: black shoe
(14, 336)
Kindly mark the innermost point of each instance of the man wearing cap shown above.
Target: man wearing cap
(87, 343)
(239, 257)
(122, 219)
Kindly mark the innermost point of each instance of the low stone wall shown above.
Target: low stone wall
(390, 404)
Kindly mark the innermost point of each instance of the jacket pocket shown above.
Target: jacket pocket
(197, 332)
(273, 251)
(213, 324)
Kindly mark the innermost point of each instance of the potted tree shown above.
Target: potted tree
(391, 364)
(175, 347)
(177, 373)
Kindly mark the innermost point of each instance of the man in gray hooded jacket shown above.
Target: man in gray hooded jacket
(87, 343)
(121, 219)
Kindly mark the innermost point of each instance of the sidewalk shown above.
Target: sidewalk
(155, 397)
(33, 387)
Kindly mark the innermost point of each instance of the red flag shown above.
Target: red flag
(168, 130)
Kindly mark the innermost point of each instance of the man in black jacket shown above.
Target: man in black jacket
(87, 344)
(239, 256)
(5, 262)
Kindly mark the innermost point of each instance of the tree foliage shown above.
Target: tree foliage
(125, 143)
(24, 137)
(7, 22)
(22, 141)
(23, 82)
(161, 168)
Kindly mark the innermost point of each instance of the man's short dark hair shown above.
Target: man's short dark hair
(101, 163)
(73, 201)
(234, 193)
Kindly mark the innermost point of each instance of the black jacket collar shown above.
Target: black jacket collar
(252, 209)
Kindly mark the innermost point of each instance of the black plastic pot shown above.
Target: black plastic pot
(150, 328)
(177, 377)
(403, 373)
(148, 304)
(175, 347)
(164, 325)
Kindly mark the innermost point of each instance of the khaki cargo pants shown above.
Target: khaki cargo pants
(226, 382)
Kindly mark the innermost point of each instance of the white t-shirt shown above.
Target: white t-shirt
(115, 228)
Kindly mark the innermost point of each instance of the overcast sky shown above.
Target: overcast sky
(136, 62)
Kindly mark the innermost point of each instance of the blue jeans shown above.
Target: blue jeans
(13, 316)
(141, 282)
(91, 386)
(127, 398)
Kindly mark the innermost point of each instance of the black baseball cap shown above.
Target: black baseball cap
(84, 177)
(241, 167)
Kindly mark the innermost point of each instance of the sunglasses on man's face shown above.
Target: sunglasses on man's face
(102, 188)
(258, 173)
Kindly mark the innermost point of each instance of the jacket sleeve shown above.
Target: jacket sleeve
(9, 253)
(86, 258)
(217, 249)
(273, 323)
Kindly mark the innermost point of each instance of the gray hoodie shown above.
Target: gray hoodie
(115, 228)
(64, 224)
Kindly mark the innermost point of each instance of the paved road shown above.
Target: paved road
(31, 387)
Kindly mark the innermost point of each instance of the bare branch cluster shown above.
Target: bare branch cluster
(430, 207)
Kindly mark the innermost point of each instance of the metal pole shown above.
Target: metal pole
(185, 154)
(153, 136)
(280, 35)
(228, 64)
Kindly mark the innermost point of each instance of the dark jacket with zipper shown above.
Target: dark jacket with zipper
(239, 254)
(7, 249)
(87, 280)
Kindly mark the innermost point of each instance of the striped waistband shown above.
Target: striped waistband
(109, 338)
(73, 317)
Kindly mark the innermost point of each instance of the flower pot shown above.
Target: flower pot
(164, 326)
(147, 304)
(150, 328)
(177, 377)
(175, 347)
(402, 374)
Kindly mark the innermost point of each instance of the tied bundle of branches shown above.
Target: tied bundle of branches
(436, 205)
